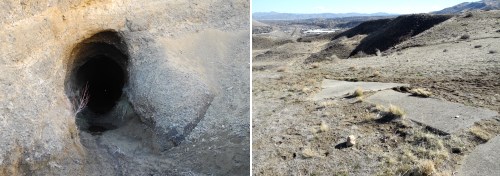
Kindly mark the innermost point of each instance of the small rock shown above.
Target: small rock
(457, 116)
(310, 137)
(308, 153)
(351, 141)
(323, 127)
(456, 150)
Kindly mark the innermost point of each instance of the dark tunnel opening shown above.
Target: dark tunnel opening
(104, 79)
(96, 80)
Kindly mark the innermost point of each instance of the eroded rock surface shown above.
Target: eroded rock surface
(184, 106)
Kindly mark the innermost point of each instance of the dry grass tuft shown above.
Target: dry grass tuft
(380, 107)
(396, 111)
(358, 92)
(426, 167)
(420, 92)
(389, 114)
(480, 133)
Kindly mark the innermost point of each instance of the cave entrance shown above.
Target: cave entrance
(104, 81)
(96, 81)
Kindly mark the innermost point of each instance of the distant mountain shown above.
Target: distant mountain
(466, 6)
(298, 16)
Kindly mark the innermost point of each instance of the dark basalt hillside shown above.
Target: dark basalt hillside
(364, 28)
(396, 31)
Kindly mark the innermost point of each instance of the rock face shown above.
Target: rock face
(168, 86)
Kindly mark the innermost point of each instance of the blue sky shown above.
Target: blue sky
(346, 6)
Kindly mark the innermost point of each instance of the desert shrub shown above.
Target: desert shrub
(390, 113)
(323, 127)
(358, 92)
(396, 111)
(426, 167)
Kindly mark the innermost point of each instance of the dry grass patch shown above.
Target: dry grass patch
(390, 113)
(426, 167)
(323, 127)
(420, 92)
(429, 146)
(358, 92)
(480, 133)
(396, 111)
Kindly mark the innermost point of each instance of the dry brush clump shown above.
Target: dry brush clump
(358, 92)
(420, 92)
(389, 114)
(480, 133)
(396, 111)
(418, 153)
(426, 167)
(323, 127)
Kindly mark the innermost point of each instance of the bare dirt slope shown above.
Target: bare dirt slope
(295, 135)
